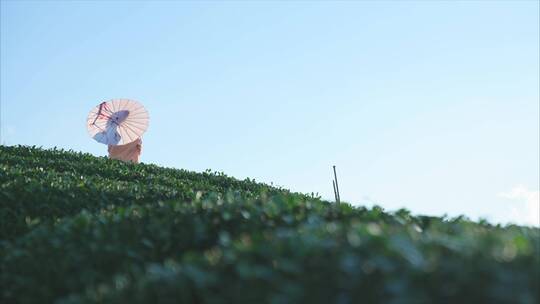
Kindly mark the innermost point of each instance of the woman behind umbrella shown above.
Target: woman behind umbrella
(119, 124)
(128, 152)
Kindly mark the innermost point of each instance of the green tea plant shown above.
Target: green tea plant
(43, 185)
(82, 229)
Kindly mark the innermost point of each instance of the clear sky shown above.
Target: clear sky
(431, 106)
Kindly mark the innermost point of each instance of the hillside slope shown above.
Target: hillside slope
(75, 228)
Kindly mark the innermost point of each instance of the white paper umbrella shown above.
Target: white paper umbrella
(117, 122)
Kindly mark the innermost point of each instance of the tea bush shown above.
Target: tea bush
(82, 229)
(43, 185)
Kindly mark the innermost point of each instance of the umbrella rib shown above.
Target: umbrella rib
(131, 125)
(126, 126)
(138, 115)
(127, 133)
(119, 103)
(106, 108)
(126, 105)
(113, 106)
(103, 108)
(137, 108)
(137, 121)
(137, 112)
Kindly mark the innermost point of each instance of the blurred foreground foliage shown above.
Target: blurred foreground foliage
(75, 228)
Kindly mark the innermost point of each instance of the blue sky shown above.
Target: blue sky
(431, 106)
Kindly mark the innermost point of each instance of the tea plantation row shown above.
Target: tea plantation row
(82, 229)
(43, 185)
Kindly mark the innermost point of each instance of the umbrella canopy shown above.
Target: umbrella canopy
(117, 122)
